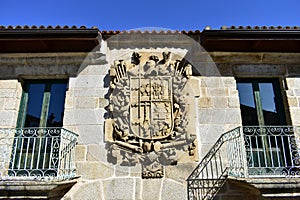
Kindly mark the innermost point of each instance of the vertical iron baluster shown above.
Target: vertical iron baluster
(284, 155)
(278, 152)
(21, 149)
(32, 155)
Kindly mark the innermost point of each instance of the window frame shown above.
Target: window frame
(280, 98)
(46, 100)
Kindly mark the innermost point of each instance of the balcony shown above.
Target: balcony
(247, 153)
(37, 154)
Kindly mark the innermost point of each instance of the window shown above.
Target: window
(37, 141)
(261, 102)
(42, 103)
(267, 139)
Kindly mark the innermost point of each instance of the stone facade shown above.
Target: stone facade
(10, 95)
(214, 108)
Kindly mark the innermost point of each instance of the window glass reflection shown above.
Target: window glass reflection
(267, 97)
(247, 104)
(56, 107)
(44, 103)
(34, 106)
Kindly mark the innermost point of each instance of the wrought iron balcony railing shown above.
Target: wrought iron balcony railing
(247, 152)
(272, 151)
(210, 175)
(37, 153)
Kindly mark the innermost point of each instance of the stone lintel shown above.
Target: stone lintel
(255, 57)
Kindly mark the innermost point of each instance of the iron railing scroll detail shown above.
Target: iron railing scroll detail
(37, 153)
(272, 151)
(247, 152)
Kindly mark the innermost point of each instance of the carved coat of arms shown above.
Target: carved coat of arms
(147, 111)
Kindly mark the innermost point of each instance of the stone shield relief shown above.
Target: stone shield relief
(151, 113)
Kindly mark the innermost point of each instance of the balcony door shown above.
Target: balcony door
(37, 139)
(267, 138)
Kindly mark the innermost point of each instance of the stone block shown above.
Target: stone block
(180, 172)
(228, 81)
(94, 170)
(122, 171)
(233, 116)
(120, 188)
(205, 102)
(69, 119)
(138, 188)
(151, 189)
(2, 102)
(8, 84)
(203, 92)
(220, 102)
(90, 134)
(209, 133)
(203, 130)
(219, 92)
(291, 82)
(88, 191)
(205, 116)
(87, 116)
(280, 58)
(95, 70)
(218, 115)
(259, 70)
(88, 92)
(297, 92)
(8, 93)
(293, 102)
(69, 100)
(193, 86)
(232, 92)
(211, 82)
(86, 103)
(12, 104)
(295, 116)
(8, 118)
(71, 128)
(102, 102)
(290, 93)
(101, 115)
(235, 57)
(233, 102)
(172, 190)
(204, 149)
(81, 151)
(96, 152)
(87, 81)
(136, 171)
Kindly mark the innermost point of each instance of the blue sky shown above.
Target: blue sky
(124, 15)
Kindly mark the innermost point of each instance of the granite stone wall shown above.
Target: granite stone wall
(86, 111)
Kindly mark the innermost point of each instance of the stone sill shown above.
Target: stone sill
(271, 187)
(274, 182)
(35, 189)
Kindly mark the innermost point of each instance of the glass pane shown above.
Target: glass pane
(247, 104)
(56, 107)
(267, 97)
(34, 105)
